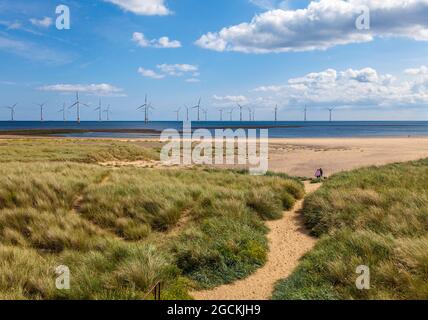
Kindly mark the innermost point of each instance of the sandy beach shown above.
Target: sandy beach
(301, 157)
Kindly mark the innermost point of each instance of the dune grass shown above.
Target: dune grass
(376, 217)
(120, 230)
(73, 150)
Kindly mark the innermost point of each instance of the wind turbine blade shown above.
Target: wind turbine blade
(73, 105)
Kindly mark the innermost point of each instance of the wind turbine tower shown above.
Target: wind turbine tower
(107, 112)
(250, 114)
(187, 113)
(78, 104)
(100, 112)
(41, 105)
(178, 113)
(148, 107)
(12, 111)
(63, 112)
(221, 114)
(276, 113)
(240, 111)
(231, 114)
(146, 110)
(198, 106)
(331, 114)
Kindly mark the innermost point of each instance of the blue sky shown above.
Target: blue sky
(255, 52)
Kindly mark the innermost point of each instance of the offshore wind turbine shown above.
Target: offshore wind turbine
(306, 113)
(331, 113)
(41, 105)
(187, 113)
(231, 114)
(221, 114)
(198, 106)
(12, 111)
(249, 113)
(107, 112)
(63, 112)
(145, 106)
(77, 104)
(149, 106)
(205, 112)
(240, 111)
(100, 111)
(178, 113)
(276, 113)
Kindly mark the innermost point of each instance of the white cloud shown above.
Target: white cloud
(46, 22)
(175, 70)
(163, 42)
(150, 73)
(323, 24)
(11, 25)
(140, 39)
(143, 7)
(269, 4)
(364, 87)
(422, 70)
(193, 80)
(178, 70)
(268, 89)
(102, 89)
(230, 100)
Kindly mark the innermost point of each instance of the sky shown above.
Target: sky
(366, 58)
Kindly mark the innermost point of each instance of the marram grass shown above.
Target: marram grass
(121, 230)
(377, 217)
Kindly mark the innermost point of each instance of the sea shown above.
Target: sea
(280, 129)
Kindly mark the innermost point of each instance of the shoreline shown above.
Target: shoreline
(154, 134)
(301, 157)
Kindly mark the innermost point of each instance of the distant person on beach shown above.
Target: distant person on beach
(319, 173)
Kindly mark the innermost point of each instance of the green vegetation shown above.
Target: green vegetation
(121, 230)
(77, 150)
(377, 217)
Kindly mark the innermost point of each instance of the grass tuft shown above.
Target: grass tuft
(377, 217)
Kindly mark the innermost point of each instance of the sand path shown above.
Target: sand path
(288, 242)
